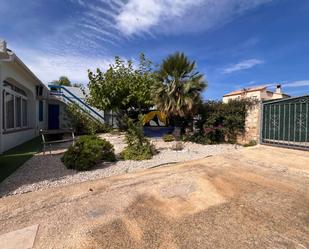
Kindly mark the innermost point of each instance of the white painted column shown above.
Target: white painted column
(1, 110)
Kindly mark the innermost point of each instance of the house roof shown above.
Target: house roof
(10, 56)
(251, 89)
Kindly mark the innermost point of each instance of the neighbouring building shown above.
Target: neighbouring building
(252, 126)
(259, 93)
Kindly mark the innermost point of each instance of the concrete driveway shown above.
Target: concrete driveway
(254, 198)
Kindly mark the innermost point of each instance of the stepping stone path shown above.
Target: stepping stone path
(19, 239)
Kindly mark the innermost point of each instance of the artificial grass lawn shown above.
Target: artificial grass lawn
(12, 159)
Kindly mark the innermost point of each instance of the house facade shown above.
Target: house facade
(259, 93)
(23, 101)
(27, 105)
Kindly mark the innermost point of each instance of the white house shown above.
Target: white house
(23, 101)
(27, 105)
(258, 93)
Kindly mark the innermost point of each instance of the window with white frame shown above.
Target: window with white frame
(15, 107)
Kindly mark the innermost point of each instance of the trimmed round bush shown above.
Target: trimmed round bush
(87, 152)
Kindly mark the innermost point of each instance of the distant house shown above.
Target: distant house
(258, 93)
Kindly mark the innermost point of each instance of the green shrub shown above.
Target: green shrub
(83, 123)
(138, 147)
(168, 138)
(251, 143)
(139, 153)
(87, 152)
(197, 138)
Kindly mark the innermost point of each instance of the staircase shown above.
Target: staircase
(74, 95)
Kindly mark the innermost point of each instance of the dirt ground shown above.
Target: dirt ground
(253, 198)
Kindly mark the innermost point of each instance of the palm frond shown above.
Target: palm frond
(179, 86)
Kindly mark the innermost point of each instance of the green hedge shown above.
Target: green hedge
(222, 122)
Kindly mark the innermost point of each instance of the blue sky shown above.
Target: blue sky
(236, 43)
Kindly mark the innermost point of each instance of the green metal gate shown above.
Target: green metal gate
(285, 122)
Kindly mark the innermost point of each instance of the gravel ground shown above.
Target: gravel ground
(236, 200)
(45, 171)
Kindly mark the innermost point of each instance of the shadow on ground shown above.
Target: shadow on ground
(12, 159)
(258, 219)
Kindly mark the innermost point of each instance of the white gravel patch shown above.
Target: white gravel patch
(46, 171)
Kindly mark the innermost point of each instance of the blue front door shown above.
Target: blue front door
(53, 117)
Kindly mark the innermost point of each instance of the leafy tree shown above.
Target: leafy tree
(62, 81)
(178, 87)
(123, 87)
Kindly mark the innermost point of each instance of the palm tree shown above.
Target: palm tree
(177, 92)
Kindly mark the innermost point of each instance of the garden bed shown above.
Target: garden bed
(45, 171)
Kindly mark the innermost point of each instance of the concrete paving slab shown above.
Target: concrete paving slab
(19, 239)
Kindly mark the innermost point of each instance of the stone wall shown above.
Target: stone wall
(252, 126)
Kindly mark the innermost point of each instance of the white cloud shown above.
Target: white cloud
(140, 16)
(48, 67)
(114, 21)
(179, 16)
(293, 84)
(243, 65)
(151, 17)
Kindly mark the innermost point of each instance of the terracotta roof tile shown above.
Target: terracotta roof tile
(251, 89)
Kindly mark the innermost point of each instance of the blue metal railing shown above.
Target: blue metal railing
(60, 93)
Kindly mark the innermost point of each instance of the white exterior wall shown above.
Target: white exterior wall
(11, 140)
(15, 74)
(266, 95)
(42, 124)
